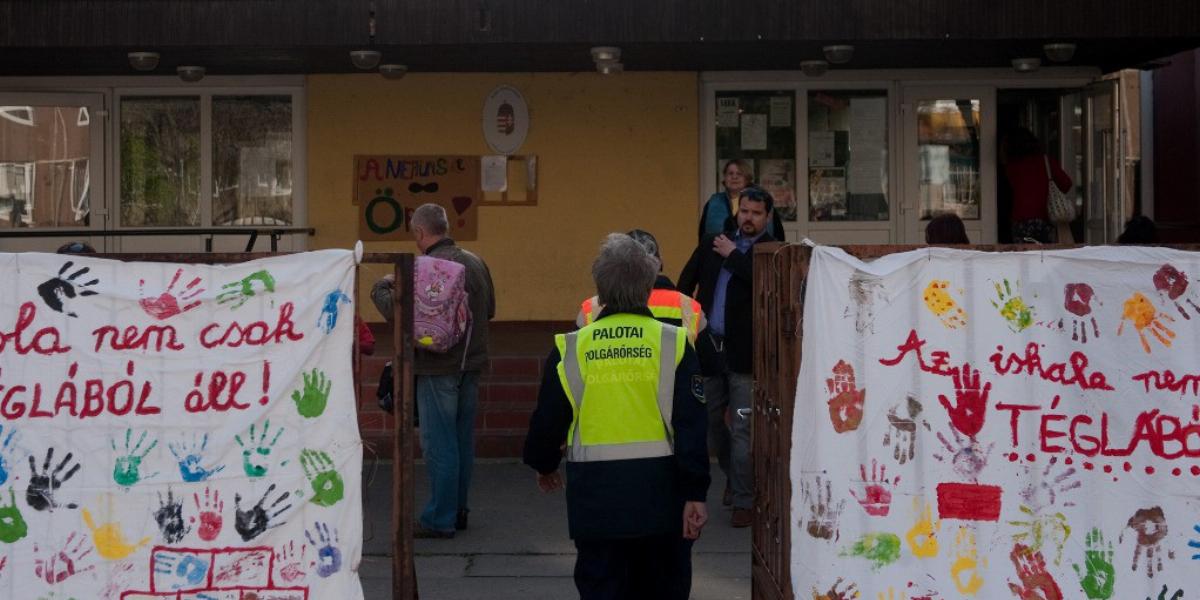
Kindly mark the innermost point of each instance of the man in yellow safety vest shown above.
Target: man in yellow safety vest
(666, 303)
(626, 396)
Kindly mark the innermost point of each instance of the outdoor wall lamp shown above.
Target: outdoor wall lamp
(607, 59)
(814, 68)
(190, 73)
(839, 54)
(143, 61)
(1026, 65)
(365, 59)
(1060, 51)
(393, 71)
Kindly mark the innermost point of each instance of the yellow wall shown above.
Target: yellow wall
(614, 153)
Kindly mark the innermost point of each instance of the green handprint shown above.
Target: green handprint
(126, 472)
(12, 524)
(256, 454)
(1098, 579)
(326, 484)
(311, 402)
(1012, 307)
(239, 292)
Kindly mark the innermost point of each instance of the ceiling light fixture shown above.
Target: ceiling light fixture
(365, 59)
(190, 73)
(1059, 51)
(393, 71)
(607, 59)
(814, 68)
(839, 54)
(143, 61)
(1026, 65)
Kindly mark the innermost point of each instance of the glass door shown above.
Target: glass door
(51, 170)
(949, 160)
(1105, 206)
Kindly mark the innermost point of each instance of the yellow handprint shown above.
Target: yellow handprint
(943, 306)
(891, 595)
(922, 538)
(966, 559)
(110, 541)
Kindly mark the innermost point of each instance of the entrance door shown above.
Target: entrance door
(949, 159)
(1103, 159)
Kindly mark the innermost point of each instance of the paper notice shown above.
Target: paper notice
(727, 112)
(821, 149)
(868, 141)
(781, 111)
(495, 173)
(754, 132)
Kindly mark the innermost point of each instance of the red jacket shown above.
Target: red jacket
(1027, 178)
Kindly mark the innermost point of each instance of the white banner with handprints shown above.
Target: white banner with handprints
(998, 425)
(172, 431)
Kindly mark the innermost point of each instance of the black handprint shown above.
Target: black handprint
(170, 518)
(252, 522)
(53, 291)
(40, 493)
(1163, 594)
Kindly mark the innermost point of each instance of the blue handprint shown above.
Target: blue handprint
(6, 449)
(329, 557)
(191, 457)
(187, 570)
(329, 311)
(1195, 543)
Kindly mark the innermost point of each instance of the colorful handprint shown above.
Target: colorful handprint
(1146, 319)
(943, 306)
(846, 403)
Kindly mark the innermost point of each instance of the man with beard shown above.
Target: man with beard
(722, 269)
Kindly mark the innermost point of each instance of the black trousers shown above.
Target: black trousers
(650, 568)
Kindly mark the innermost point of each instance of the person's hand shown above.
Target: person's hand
(549, 482)
(723, 245)
(695, 515)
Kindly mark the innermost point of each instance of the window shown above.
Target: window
(45, 175)
(160, 161)
(758, 128)
(207, 160)
(948, 133)
(847, 156)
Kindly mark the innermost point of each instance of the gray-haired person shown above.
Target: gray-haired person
(447, 386)
(625, 395)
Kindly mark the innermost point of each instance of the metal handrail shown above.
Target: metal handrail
(253, 232)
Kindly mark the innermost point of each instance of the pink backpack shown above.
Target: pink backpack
(442, 316)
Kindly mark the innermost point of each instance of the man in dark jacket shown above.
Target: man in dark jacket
(721, 267)
(447, 385)
(626, 396)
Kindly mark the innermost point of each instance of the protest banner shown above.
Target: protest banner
(995, 425)
(178, 431)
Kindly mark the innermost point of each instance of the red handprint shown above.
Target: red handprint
(210, 515)
(1036, 582)
(1173, 284)
(846, 405)
(166, 305)
(60, 566)
(876, 496)
(970, 401)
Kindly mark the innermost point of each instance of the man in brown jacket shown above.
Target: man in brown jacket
(447, 386)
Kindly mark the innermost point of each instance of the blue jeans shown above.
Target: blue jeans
(447, 405)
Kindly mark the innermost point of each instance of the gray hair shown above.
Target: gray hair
(431, 218)
(624, 273)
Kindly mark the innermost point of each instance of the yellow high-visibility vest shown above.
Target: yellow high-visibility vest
(619, 375)
(663, 304)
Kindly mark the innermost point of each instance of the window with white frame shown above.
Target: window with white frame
(206, 160)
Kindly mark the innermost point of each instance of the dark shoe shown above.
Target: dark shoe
(422, 532)
(460, 519)
(742, 517)
(727, 499)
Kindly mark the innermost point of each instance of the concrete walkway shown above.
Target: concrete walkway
(517, 545)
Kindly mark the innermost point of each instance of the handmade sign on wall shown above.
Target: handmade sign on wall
(998, 425)
(388, 188)
(177, 431)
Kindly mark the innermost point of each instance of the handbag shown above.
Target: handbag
(1060, 207)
